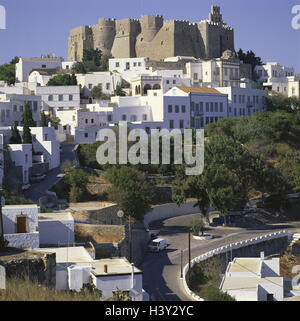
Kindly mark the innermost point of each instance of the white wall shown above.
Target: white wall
(54, 232)
(23, 240)
(25, 66)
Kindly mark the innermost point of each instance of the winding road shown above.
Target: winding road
(161, 271)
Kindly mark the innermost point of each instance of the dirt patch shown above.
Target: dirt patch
(99, 233)
(287, 262)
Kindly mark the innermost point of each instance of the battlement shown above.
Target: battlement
(103, 22)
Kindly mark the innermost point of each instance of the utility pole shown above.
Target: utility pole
(189, 258)
(130, 240)
(181, 267)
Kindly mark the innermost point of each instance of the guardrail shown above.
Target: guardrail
(224, 249)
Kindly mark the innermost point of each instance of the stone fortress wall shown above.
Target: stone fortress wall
(153, 37)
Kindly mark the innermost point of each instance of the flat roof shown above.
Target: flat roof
(249, 284)
(115, 266)
(64, 216)
(69, 254)
(19, 206)
(246, 265)
(199, 90)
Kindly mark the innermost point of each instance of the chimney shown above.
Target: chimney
(132, 275)
(105, 268)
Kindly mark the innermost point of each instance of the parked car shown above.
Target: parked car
(157, 245)
(220, 220)
(249, 209)
(36, 178)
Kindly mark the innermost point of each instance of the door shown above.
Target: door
(22, 224)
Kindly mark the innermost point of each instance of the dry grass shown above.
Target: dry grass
(26, 290)
(287, 262)
(99, 233)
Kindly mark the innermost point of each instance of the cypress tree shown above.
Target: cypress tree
(27, 138)
(15, 135)
(27, 117)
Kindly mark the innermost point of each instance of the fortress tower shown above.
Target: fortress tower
(154, 38)
(104, 34)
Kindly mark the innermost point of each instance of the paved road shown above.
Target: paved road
(39, 189)
(161, 271)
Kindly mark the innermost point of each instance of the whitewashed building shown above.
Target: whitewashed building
(244, 101)
(26, 65)
(294, 86)
(253, 279)
(20, 224)
(108, 81)
(55, 97)
(75, 267)
(12, 107)
(273, 76)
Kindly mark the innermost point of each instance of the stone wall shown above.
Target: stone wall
(38, 267)
(153, 37)
(216, 261)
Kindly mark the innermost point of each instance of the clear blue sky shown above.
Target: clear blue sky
(35, 27)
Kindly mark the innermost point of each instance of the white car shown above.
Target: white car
(157, 245)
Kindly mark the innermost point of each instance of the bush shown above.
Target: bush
(196, 226)
(211, 293)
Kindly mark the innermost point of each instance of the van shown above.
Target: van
(157, 245)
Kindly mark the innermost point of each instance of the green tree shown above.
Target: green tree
(77, 181)
(130, 191)
(119, 91)
(105, 61)
(44, 122)
(250, 58)
(196, 226)
(63, 80)
(27, 138)
(96, 92)
(15, 135)
(79, 68)
(27, 117)
(7, 73)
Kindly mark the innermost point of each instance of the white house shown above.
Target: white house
(26, 65)
(54, 97)
(253, 279)
(21, 156)
(244, 101)
(75, 267)
(68, 64)
(12, 107)
(273, 76)
(108, 81)
(56, 229)
(20, 223)
(294, 86)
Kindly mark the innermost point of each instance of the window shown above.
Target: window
(21, 108)
(26, 158)
(46, 137)
(50, 98)
(133, 118)
(216, 107)
(176, 109)
(181, 123)
(171, 123)
(117, 64)
(109, 117)
(195, 76)
(7, 113)
(86, 121)
(134, 64)
(60, 97)
(35, 106)
(124, 117)
(234, 99)
(90, 86)
(15, 108)
(107, 86)
(174, 82)
(127, 65)
(192, 106)
(140, 64)
(221, 107)
(211, 107)
(86, 135)
(44, 66)
(169, 108)
(207, 107)
(70, 97)
(167, 81)
(183, 109)
(197, 108)
(240, 99)
(206, 120)
(92, 120)
(144, 117)
(201, 107)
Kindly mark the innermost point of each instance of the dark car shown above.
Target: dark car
(36, 178)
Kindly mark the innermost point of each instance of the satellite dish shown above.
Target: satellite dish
(120, 213)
